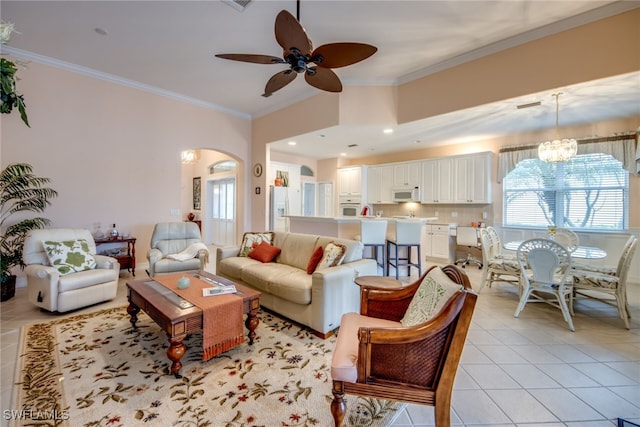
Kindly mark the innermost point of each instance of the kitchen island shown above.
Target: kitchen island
(344, 227)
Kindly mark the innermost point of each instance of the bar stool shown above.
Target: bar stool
(408, 235)
(373, 234)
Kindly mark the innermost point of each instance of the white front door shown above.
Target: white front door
(222, 222)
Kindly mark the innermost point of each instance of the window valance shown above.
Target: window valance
(624, 148)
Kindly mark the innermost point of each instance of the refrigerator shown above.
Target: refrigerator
(282, 201)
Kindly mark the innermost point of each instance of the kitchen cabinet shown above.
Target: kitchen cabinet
(350, 181)
(379, 183)
(407, 174)
(472, 183)
(439, 242)
(437, 181)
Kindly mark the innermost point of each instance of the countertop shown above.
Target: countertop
(356, 218)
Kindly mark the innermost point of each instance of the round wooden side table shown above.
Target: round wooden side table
(379, 282)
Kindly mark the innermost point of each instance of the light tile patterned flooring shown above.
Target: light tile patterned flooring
(530, 371)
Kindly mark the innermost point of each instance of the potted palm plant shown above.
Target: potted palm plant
(20, 191)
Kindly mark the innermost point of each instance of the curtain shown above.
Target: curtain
(624, 148)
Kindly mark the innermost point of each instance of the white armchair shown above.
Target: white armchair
(62, 287)
(175, 247)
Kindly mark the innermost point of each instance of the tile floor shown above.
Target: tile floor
(530, 371)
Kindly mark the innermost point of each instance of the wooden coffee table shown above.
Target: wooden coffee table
(179, 322)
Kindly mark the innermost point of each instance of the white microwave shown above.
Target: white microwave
(349, 209)
(406, 194)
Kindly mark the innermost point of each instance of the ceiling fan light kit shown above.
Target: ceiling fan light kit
(558, 150)
(301, 58)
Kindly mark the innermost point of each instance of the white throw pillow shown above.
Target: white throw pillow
(432, 295)
(251, 240)
(333, 255)
(69, 256)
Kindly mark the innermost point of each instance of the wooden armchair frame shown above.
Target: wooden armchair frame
(410, 364)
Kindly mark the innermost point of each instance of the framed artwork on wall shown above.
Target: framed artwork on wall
(196, 193)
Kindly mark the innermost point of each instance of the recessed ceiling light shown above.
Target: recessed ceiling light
(388, 130)
(291, 143)
(101, 31)
(343, 154)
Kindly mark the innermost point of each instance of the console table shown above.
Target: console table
(126, 261)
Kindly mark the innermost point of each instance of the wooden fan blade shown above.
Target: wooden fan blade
(290, 34)
(323, 79)
(256, 59)
(278, 81)
(336, 55)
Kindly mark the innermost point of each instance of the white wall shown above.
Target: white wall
(113, 152)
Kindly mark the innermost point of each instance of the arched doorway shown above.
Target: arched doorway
(210, 193)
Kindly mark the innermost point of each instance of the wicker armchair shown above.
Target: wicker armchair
(414, 364)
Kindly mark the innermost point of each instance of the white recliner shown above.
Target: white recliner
(52, 290)
(175, 247)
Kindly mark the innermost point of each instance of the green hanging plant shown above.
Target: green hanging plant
(9, 98)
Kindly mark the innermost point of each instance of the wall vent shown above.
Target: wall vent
(238, 5)
(529, 105)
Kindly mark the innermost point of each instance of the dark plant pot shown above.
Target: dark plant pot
(8, 288)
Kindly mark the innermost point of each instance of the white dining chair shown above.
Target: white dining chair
(591, 282)
(545, 267)
(497, 267)
(567, 238)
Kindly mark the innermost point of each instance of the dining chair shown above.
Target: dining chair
(497, 267)
(405, 344)
(608, 281)
(468, 236)
(545, 269)
(567, 238)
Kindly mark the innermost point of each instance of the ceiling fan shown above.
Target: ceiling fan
(301, 57)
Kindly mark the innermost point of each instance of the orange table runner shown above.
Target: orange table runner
(222, 327)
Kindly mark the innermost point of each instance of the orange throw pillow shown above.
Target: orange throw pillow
(264, 252)
(316, 256)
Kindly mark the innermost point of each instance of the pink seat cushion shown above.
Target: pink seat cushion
(345, 353)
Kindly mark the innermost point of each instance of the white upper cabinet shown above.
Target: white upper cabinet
(473, 178)
(457, 180)
(379, 184)
(407, 174)
(350, 181)
(437, 181)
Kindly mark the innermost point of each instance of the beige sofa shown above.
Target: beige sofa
(316, 300)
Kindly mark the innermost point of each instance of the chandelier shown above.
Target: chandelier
(558, 150)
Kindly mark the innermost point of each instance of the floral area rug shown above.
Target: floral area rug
(96, 370)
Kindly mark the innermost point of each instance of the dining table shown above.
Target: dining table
(584, 252)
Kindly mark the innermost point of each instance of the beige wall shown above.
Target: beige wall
(113, 152)
(601, 49)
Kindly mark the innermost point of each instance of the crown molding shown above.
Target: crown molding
(46, 60)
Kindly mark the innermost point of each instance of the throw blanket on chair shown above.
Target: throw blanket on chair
(190, 252)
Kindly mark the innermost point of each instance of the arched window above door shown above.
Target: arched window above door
(223, 166)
